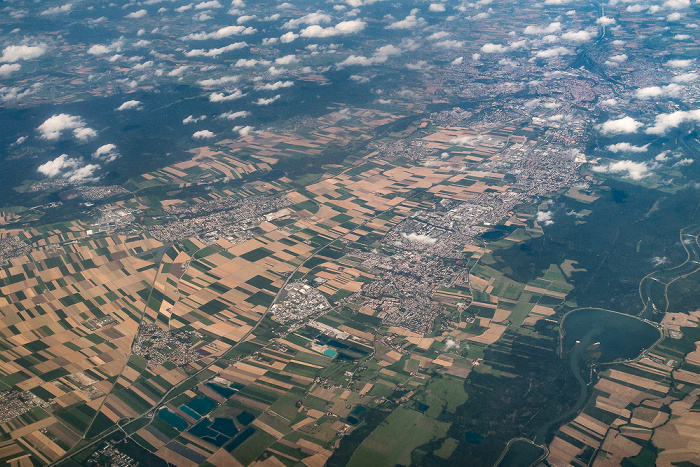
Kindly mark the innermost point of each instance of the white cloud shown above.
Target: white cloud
(678, 63)
(129, 105)
(553, 52)
(208, 5)
(343, 28)
(143, 66)
(631, 169)
(58, 9)
(99, 49)
(545, 217)
(243, 130)
(54, 167)
(269, 101)
(275, 86)
(221, 97)
(683, 162)
(609, 102)
(553, 27)
(457, 61)
(219, 81)
(670, 90)
(619, 58)
(15, 53)
(202, 134)
(55, 125)
(82, 174)
(605, 21)
(626, 148)
(317, 17)
(419, 238)
(250, 62)
(215, 52)
(7, 70)
(178, 71)
(577, 36)
(221, 33)
(436, 7)
(493, 48)
(682, 37)
(409, 22)
(682, 78)
(287, 60)
(620, 126)
(193, 119)
(234, 115)
(245, 18)
(674, 17)
(288, 37)
(137, 14)
(106, 153)
(436, 36)
(676, 4)
(665, 122)
(450, 44)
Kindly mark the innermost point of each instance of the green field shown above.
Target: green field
(392, 442)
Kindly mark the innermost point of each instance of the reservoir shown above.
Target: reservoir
(619, 336)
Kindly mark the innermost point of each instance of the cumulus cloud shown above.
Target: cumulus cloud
(317, 17)
(243, 130)
(208, 5)
(676, 4)
(577, 36)
(436, 7)
(450, 44)
(234, 115)
(626, 148)
(605, 21)
(55, 125)
(457, 61)
(620, 126)
(419, 238)
(268, 101)
(274, 86)
(630, 169)
(215, 52)
(553, 27)
(70, 168)
(15, 53)
(545, 217)
(553, 52)
(178, 71)
(679, 63)
(665, 122)
(193, 119)
(58, 9)
(288, 37)
(287, 60)
(619, 58)
(54, 167)
(221, 33)
(106, 153)
(99, 49)
(670, 90)
(343, 28)
(137, 14)
(221, 97)
(493, 48)
(129, 105)
(409, 22)
(7, 70)
(218, 81)
(203, 134)
(682, 78)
